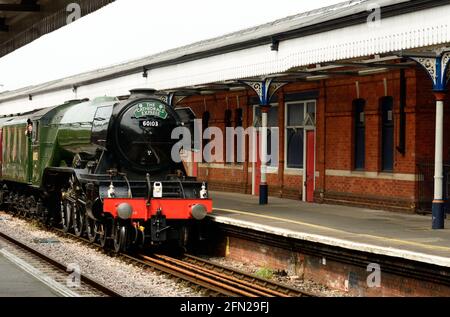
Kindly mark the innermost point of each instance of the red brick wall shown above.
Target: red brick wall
(334, 137)
(335, 274)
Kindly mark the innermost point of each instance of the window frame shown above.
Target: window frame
(304, 127)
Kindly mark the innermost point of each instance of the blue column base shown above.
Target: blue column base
(438, 215)
(263, 194)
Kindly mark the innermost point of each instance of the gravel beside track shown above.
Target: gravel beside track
(291, 281)
(124, 278)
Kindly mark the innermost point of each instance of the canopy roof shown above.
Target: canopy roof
(336, 40)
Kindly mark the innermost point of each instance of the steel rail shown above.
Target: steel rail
(276, 289)
(88, 280)
(184, 275)
(222, 278)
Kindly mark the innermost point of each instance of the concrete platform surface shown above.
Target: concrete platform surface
(379, 232)
(14, 282)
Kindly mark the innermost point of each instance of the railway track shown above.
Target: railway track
(49, 271)
(218, 280)
(223, 281)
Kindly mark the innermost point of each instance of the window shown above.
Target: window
(239, 117)
(227, 118)
(205, 125)
(228, 123)
(360, 133)
(238, 120)
(387, 134)
(272, 122)
(102, 117)
(299, 115)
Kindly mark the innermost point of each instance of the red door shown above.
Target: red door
(257, 166)
(310, 146)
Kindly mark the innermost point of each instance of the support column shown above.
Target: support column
(436, 65)
(263, 187)
(265, 89)
(438, 211)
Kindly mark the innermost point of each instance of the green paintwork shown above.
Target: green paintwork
(58, 134)
(15, 151)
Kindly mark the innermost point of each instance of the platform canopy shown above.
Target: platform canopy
(339, 40)
(23, 21)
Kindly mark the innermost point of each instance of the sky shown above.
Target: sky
(130, 29)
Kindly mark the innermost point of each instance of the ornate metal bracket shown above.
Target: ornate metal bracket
(265, 89)
(437, 68)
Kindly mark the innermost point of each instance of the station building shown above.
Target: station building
(358, 99)
(359, 140)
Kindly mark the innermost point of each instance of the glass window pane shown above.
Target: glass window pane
(360, 134)
(257, 117)
(272, 117)
(387, 134)
(295, 148)
(296, 114)
(273, 162)
(311, 107)
(102, 117)
(311, 111)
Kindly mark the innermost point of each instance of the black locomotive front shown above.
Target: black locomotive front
(141, 130)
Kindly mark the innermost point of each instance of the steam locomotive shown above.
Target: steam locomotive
(103, 169)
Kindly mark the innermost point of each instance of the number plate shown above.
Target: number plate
(149, 124)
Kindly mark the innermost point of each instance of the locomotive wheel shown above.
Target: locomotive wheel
(79, 217)
(91, 229)
(31, 207)
(15, 203)
(104, 235)
(22, 207)
(66, 215)
(120, 238)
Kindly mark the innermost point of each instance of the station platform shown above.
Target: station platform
(14, 282)
(374, 231)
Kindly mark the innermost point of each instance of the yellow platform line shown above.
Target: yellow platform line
(384, 239)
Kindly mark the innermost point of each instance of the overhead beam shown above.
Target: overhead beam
(25, 6)
(373, 65)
